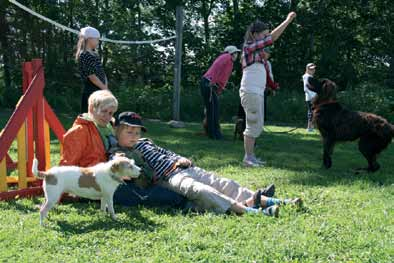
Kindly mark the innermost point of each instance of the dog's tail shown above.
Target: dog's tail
(35, 171)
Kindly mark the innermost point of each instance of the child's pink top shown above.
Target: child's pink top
(220, 71)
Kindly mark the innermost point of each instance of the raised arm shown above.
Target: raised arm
(277, 32)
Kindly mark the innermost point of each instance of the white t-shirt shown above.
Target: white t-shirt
(309, 95)
(254, 78)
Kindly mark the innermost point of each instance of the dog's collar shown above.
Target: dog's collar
(117, 179)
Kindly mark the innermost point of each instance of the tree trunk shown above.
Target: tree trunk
(4, 33)
(390, 76)
(205, 12)
(236, 17)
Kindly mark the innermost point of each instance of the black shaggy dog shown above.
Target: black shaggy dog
(337, 124)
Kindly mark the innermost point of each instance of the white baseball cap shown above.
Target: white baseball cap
(310, 66)
(89, 32)
(231, 49)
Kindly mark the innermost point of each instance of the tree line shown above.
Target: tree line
(352, 42)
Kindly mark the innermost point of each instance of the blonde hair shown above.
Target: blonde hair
(256, 27)
(102, 99)
(118, 129)
(81, 47)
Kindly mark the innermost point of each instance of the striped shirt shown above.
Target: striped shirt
(253, 52)
(162, 161)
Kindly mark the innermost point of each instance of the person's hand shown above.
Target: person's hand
(291, 16)
(183, 162)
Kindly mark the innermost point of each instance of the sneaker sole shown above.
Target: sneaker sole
(276, 211)
(251, 165)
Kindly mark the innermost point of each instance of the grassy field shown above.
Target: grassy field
(347, 217)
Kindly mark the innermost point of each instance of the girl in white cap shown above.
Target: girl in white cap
(309, 95)
(212, 84)
(90, 67)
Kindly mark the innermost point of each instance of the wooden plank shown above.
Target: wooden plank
(18, 117)
(47, 139)
(11, 165)
(3, 175)
(54, 123)
(27, 78)
(28, 192)
(22, 154)
(15, 180)
(39, 117)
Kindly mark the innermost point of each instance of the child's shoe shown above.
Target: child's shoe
(269, 191)
(271, 211)
(296, 202)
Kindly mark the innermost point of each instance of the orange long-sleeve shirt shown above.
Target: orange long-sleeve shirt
(82, 145)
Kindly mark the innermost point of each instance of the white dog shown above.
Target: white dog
(98, 182)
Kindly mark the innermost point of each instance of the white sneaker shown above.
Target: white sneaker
(271, 211)
(259, 161)
(250, 163)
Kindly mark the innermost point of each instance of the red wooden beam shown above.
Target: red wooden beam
(39, 118)
(27, 78)
(10, 163)
(54, 122)
(18, 116)
(23, 193)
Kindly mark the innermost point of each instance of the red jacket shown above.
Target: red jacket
(82, 145)
(220, 71)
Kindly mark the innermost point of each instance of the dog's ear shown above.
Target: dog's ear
(115, 167)
(314, 85)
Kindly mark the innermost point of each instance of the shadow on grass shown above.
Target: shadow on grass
(22, 207)
(134, 222)
(128, 218)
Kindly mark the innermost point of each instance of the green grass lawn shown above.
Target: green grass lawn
(347, 217)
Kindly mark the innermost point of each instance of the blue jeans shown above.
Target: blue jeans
(131, 195)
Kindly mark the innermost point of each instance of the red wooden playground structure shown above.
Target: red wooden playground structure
(29, 125)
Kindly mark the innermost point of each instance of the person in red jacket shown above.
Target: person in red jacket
(212, 84)
(87, 141)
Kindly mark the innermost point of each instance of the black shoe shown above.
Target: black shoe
(257, 199)
(269, 191)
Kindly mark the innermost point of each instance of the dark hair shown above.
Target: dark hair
(256, 27)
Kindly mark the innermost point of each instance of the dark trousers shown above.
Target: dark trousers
(131, 195)
(211, 103)
(88, 89)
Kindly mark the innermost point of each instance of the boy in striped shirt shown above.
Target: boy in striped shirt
(178, 174)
